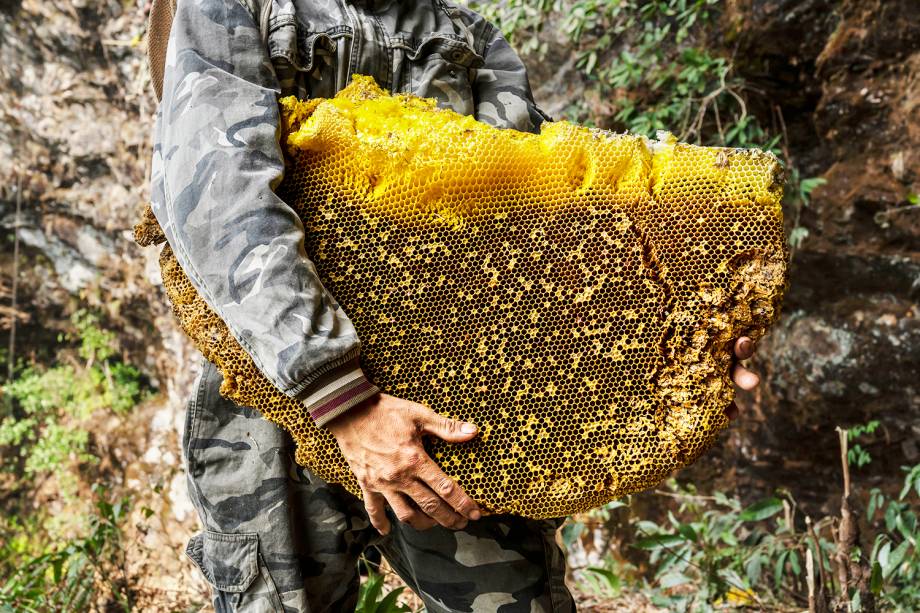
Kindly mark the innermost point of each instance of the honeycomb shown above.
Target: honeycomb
(573, 293)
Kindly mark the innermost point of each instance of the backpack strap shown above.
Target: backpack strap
(159, 24)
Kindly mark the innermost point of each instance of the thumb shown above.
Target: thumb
(450, 430)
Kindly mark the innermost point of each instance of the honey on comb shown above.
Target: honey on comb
(573, 293)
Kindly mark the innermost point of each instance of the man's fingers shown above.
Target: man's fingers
(744, 378)
(449, 491)
(450, 430)
(408, 514)
(434, 506)
(376, 511)
(744, 348)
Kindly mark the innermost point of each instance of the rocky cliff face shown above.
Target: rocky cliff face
(848, 86)
(75, 115)
(74, 126)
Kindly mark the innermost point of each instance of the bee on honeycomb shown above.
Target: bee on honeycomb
(573, 293)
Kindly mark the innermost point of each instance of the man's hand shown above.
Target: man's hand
(382, 442)
(743, 378)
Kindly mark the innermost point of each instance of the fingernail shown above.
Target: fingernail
(745, 346)
(476, 515)
(468, 428)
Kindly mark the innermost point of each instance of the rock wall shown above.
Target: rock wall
(75, 117)
(848, 348)
(74, 128)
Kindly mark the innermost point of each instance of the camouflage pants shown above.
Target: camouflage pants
(278, 538)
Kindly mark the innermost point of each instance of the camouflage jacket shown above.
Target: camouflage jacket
(217, 157)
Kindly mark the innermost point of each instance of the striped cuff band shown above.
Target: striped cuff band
(337, 392)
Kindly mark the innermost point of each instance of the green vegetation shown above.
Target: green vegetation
(649, 59)
(376, 597)
(47, 409)
(67, 576)
(712, 551)
(67, 561)
(857, 455)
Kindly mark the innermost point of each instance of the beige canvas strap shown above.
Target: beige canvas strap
(160, 22)
(158, 26)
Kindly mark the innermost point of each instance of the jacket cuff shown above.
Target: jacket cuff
(337, 391)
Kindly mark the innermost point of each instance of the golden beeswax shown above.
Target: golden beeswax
(573, 293)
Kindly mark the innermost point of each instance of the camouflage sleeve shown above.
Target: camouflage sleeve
(502, 88)
(216, 162)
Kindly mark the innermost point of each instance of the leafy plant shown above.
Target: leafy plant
(857, 455)
(798, 198)
(712, 553)
(650, 58)
(895, 555)
(44, 427)
(71, 576)
(373, 599)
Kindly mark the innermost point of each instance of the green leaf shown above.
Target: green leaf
(687, 531)
(370, 591)
(875, 581)
(660, 540)
(876, 500)
(389, 603)
(729, 538)
(753, 568)
(895, 559)
(797, 236)
(673, 579)
(883, 555)
(856, 602)
(794, 562)
(779, 568)
(911, 481)
(590, 62)
(808, 185)
(612, 579)
(762, 510)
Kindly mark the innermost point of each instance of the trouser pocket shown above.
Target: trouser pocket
(233, 566)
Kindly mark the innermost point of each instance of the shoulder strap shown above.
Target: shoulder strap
(159, 24)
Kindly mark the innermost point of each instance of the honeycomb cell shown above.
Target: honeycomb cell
(574, 293)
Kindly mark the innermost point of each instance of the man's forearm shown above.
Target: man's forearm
(216, 161)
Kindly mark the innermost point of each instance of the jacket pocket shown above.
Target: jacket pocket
(441, 66)
(298, 52)
(232, 565)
